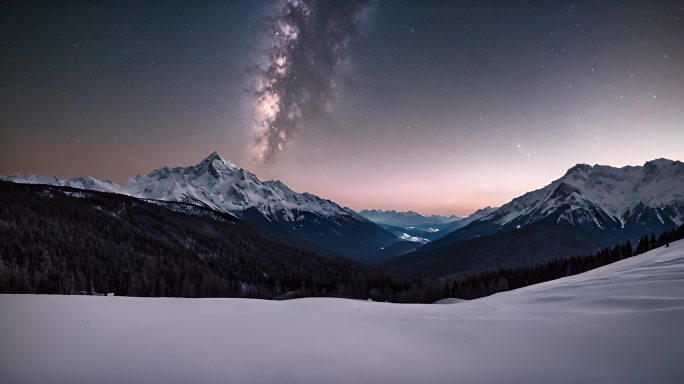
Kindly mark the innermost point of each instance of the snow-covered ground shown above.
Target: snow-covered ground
(621, 323)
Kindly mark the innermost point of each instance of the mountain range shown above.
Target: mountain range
(588, 208)
(64, 240)
(406, 219)
(415, 230)
(221, 185)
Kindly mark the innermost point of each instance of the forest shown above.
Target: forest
(60, 240)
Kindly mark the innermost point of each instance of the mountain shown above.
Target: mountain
(412, 226)
(406, 219)
(57, 239)
(423, 229)
(527, 246)
(480, 213)
(221, 185)
(607, 204)
(88, 182)
(447, 228)
(588, 208)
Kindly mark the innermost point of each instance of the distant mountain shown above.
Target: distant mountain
(422, 229)
(445, 229)
(406, 219)
(596, 206)
(88, 182)
(482, 212)
(412, 233)
(607, 204)
(414, 227)
(221, 185)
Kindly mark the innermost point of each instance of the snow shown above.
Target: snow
(449, 300)
(480, 213)
(620, 323)
(414, 239)
(616, 191)
(225, 187)
(215, 183)
(88, 183)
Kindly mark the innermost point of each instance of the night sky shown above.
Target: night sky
(440, 107)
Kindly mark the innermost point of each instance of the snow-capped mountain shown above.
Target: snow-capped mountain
(482, 212)
(221, 185)
(412, 226)
(87, 182)
(621, 195)
(608, 204)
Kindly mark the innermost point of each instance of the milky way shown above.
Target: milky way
(440, 107)
(296, 83)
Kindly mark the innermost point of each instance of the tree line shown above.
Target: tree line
(58, 240)
(491, 282)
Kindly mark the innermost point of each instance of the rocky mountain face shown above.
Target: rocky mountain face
(63, 240)
(607, 204)
(588, 208)
(221, 185)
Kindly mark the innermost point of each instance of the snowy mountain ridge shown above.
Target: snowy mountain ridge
(223, 186)
(407, 218)
(215, 183)
(89, 183)
(598, 195)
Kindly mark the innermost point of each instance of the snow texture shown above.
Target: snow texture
(88, 183)
(619, 323)
(223, 186)
(214, 183)
(414, 239)
(592, 192)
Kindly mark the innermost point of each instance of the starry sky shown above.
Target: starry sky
(437, 107)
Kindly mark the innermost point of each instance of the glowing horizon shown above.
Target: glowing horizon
(440, 108)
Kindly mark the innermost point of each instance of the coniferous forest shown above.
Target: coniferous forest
(59, 240)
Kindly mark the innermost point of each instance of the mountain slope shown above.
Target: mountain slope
(64, 240)
(220, 185)
(604, 203)
(223, 186)
(87, 182)
(405, 224)
(589, 208)
(528, 246)
(617, 324)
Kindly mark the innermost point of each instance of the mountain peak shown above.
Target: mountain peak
(661, 162)
(215, 157)
(578, 168)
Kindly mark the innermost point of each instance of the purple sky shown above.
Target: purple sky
(437, 108)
